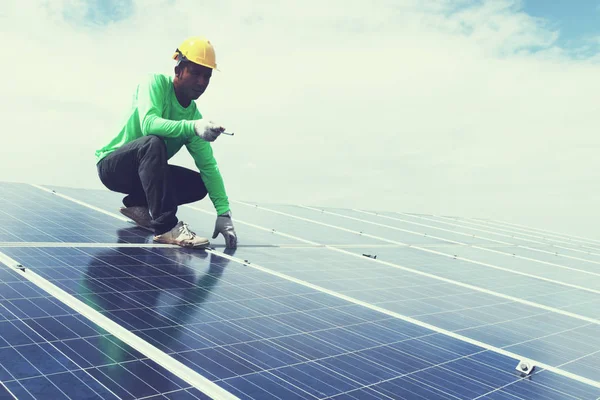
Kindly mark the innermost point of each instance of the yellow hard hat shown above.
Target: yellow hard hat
(199, 50)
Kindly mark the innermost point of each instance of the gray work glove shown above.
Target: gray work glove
(224, 226)
(208, 130)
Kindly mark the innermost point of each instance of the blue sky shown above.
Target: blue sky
(577, 20)
(101, 12)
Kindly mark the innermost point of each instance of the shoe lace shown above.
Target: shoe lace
(184, 229)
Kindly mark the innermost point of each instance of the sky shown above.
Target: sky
(485, 109)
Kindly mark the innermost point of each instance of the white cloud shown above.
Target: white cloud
(395, 105)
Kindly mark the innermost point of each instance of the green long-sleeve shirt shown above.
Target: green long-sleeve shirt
(156, 111)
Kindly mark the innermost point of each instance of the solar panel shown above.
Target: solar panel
(314, 304)
(48, 350)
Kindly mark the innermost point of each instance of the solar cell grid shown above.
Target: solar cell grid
(49, 351)
(264, 336)
(31, 215)
(405, 236)
(493, 257)
(365, 275)
(483, 237)
(110, 201)
(329, 347)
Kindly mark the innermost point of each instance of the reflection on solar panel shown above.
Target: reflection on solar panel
(314, 304)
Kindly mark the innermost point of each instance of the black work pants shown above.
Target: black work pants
(140, 170)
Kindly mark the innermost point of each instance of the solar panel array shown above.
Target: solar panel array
(313, 304)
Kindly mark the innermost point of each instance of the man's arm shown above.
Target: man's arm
(151, 97)
(204, 159)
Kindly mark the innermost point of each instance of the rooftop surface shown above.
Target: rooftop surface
(313, 304)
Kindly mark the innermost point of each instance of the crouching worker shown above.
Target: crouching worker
(163, 119)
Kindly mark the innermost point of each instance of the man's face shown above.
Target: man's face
(194, 79)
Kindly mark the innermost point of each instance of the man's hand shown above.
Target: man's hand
(208, 130)
(224, 226)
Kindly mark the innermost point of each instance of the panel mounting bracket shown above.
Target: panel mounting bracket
(525, 367)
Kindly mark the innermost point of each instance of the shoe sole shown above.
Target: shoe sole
(197, 246)
(202, 245)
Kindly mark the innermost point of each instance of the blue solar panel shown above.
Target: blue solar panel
(256, 339)
(31, 215)
(478, 315)
(200, 222)
(258, 334)
(49, 351)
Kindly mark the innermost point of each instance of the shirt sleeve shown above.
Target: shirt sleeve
(204, 159)
(151, 97)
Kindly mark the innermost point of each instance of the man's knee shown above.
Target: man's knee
(154, 144)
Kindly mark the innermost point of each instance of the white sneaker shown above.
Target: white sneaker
(181, 235)
(139, 215)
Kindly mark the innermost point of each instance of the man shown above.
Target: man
(162, 120)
